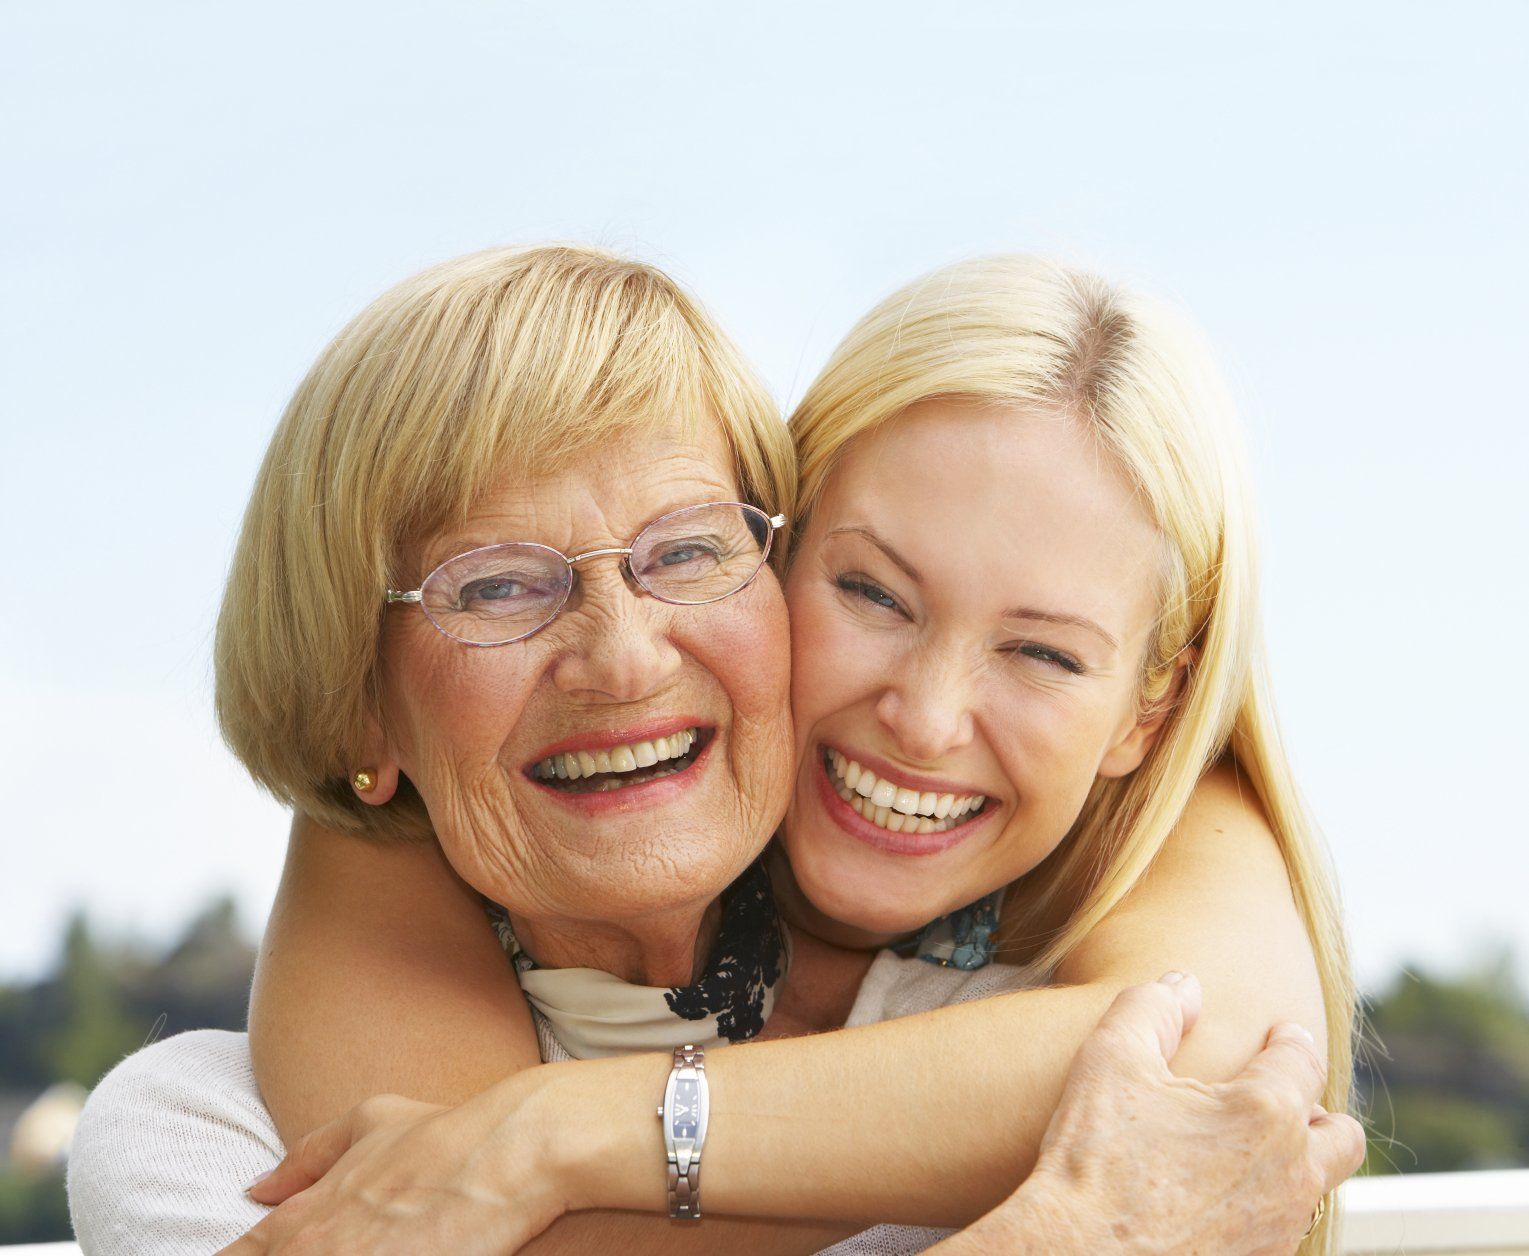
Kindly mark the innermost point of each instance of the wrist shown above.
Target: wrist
(1047, 1216)
(591, 1132)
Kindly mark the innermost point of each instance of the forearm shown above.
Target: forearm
(378, 973)
(653, 1234)
(926, 1120)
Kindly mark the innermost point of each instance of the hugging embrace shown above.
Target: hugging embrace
(625, 724)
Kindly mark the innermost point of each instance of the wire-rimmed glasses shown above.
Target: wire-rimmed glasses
(503, 593)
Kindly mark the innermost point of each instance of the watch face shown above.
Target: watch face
(687, 1103)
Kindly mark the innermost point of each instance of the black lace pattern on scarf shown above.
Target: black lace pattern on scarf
(747, 959)
(745, 963)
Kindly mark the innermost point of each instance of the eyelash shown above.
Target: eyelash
(859, 587)
(862, 588)
(1045, 654)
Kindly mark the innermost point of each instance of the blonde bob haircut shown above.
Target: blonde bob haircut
(484, 366)
(1026, 332)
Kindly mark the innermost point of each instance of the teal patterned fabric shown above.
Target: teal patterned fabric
(963, 939)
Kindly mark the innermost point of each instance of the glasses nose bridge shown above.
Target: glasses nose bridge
(625, 566)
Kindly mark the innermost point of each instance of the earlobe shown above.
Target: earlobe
(375, 779)
(376, 785)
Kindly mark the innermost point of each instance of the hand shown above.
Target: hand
(1137, 1160)
(397, 1176)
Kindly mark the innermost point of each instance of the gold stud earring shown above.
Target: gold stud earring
(364, 782)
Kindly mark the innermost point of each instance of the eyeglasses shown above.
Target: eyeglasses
(504, 593)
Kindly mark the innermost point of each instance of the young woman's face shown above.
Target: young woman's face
(970, 605)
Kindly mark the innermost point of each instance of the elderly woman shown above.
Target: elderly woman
(611, 762)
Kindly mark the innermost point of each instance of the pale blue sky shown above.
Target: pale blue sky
(198, 196)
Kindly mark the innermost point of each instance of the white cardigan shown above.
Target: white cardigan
(172, 1136)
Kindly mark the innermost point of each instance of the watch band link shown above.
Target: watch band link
(685, 1188)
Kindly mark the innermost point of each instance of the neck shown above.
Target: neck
(667, 949)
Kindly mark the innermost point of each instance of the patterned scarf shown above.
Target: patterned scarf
(593, 1014)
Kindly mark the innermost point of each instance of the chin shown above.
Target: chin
(678, 871)
(863, 898)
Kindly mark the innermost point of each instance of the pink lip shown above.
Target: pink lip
(858, 827)
(606, 738)
(891, 772)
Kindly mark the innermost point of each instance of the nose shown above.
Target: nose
(618, 648)
(927, 705)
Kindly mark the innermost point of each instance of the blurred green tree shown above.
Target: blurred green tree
(1444, 1084)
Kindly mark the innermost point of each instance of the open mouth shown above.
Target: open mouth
(620, 767)
(894, 807)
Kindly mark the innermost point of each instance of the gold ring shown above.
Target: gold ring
(1316, 1217)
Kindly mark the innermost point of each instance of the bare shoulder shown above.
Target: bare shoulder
(1223, 827)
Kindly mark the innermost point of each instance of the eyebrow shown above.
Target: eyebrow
(1056, 617)
(1014, 612)
(871, 535)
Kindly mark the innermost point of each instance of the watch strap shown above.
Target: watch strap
(685, 1188)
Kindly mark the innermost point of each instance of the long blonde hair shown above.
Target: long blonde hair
(1025, 331)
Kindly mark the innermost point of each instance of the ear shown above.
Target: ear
(379, 762)
(1137, 738)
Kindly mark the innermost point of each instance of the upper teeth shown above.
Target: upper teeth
(899, 798)
(573, 764)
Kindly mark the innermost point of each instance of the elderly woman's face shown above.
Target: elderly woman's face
(969, 609)
(704, 688)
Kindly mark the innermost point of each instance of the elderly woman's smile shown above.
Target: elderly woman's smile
(619, 760)
(626, 759)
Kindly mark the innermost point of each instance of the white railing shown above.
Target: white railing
(1416, 1214)
(1441, 1214)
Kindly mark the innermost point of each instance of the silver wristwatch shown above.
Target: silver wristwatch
(684, 1111)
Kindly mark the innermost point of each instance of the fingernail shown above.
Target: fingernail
(258, 1180)
(1172, 978)
(1296, 1031)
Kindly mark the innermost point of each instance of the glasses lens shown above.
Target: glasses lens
(497, 594)
(701, 553)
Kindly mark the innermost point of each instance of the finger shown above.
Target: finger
(1145, 1024)
(1289, 1064)
(1337, 1147)
(313, 1156)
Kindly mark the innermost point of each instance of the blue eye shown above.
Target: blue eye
(678, 554)
(493, 590)
(867, 590)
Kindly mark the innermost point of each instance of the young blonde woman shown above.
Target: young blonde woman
(1024, 602)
